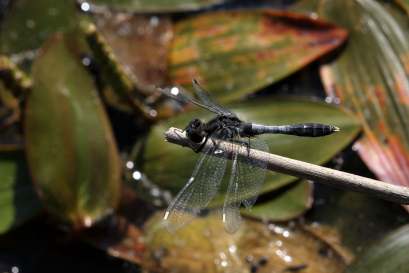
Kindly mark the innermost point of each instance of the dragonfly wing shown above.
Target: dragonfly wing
(251, 176)
(178, 93)
(200, 189)
(244, 186)
(231, 207)
(205, 98)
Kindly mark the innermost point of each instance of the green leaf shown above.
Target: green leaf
(29, 23)
(390, 255)
(204, 246)
(353, 214)
(70, 146)
(283, 204)
(371, 79)
(157, 6)
(18, 200)
(235, 53)
(170, 165)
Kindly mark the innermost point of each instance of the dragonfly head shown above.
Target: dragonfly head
(194, 130)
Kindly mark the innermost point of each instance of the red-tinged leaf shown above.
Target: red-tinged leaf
(70, 146)
(140, 45)
(235, 53)
(119, 238)
(371, 78)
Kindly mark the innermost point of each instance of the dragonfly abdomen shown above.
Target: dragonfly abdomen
(305, 129)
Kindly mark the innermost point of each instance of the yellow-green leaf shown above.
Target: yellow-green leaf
(204, 246)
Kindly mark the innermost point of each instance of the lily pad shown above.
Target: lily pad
(70, 146)
(203, 246)
(235, 53)
(170, 165)
(283, 204)
(157, 6)
(371, 78)
(390, 255)
(29, 23)
(19, 202)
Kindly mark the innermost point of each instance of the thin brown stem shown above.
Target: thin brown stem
(302, 169)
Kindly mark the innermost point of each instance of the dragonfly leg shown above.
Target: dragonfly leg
(206, 138)
(198, 149)
(246, 144)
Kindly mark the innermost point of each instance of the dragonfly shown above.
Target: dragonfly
(246, 177)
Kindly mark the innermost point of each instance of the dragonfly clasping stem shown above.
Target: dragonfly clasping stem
(384, 190)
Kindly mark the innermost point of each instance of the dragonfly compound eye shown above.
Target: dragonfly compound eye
(194, 130)
(196, 123)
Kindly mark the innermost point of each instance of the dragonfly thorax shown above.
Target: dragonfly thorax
(222, 126)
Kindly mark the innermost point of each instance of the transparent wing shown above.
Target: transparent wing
(200, 189)
(244, 185)
(252, 176)
(231, 207)
(180, 94)
(205, 98)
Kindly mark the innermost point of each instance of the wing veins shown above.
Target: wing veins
(198, 191)
(206, 99)
(183, 98)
